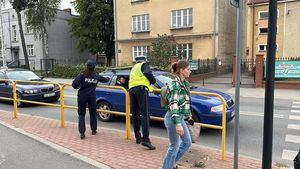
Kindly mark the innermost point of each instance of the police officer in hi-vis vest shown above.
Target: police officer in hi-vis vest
(140, 82)
(86, 82)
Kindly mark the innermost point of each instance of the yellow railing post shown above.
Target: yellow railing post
(127, 100)
(62, 103)
(223, 128)
(14, 85)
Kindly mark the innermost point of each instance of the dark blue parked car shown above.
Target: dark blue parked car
(26, 91)
(206, 109)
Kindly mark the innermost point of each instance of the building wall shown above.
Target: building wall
(61, 46)
(200, 35)
(292, 32)
(227, 30)
(254, 23)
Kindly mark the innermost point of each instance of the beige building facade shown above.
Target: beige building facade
(288, 34)
(203, 29)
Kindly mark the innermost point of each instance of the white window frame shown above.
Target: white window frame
(188, 49)
(265, 47)
(14, 33)
(140, 23)
(259, 33)
(28, 29)
(140, 51)
(180, 16)
(259, 12)
(30, 50)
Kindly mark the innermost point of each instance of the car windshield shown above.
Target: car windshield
(22, 75)
(165, 78)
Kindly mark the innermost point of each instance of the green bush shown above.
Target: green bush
(71, 71)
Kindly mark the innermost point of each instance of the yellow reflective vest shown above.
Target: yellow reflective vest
(137, 78)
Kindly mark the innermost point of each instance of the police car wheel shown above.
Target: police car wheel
(104, 116)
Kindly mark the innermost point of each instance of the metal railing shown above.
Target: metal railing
(127, 109)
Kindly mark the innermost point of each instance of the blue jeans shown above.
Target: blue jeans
(177, 145)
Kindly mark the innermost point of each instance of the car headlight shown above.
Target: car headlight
(30, 91)
(217, 108)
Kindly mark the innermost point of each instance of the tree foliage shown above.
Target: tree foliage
(161, 51)
(38, 13)
(94, 26)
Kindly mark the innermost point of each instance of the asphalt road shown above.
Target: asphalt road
(250, 126)
(19, 151)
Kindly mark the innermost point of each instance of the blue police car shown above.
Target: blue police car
(27, 91)
(206, 109)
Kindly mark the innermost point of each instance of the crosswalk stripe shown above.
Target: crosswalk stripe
(292, 138)
(288, 154)
(296, 106)
(248, 113)
(294, 126)
(295, 111)
(296, 102)
(292, 117)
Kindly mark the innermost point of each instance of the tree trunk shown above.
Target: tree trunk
(23, 40)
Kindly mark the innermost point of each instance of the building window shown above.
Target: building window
(140, 23)
(263, 30)
(265, 15)
(14, 33)
(30, 49)
(184, 51)
(263, 47)
(182, 18)
(140, 51)
(28, 28)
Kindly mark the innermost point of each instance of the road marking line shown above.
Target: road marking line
(294, 126)
(296, 102)
(296, 106)
(295, 111)
(288, 154)
(71, 96)
(292, 138)
(292, 117)
(247, 113)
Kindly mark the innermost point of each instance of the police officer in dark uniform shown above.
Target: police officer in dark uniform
(86, 82)
(140, 82)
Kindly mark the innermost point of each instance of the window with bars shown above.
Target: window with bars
(185, 51)
(30, 50)
(182, 18)
(140, 23)
(140, 51)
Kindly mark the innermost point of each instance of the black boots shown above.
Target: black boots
(82, 136)
(148, 144)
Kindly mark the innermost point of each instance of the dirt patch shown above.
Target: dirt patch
(193, 159)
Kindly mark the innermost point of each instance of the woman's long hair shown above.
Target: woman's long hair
(181, 64)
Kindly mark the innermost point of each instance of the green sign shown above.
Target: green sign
(286, 69)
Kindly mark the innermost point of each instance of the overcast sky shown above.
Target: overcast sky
(66, 4)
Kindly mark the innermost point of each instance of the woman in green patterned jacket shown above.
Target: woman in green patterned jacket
(179, 100)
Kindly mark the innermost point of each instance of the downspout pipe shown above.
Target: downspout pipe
(215, 30)
(116, 33)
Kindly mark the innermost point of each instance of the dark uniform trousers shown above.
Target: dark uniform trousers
(82, 110)
(140, 111)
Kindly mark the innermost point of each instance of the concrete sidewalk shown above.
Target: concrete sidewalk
(110, 149)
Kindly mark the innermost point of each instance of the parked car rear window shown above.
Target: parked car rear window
(22, 75)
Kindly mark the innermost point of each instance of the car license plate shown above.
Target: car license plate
(49, 94)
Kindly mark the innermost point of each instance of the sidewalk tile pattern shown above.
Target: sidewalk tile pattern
(110, 147)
